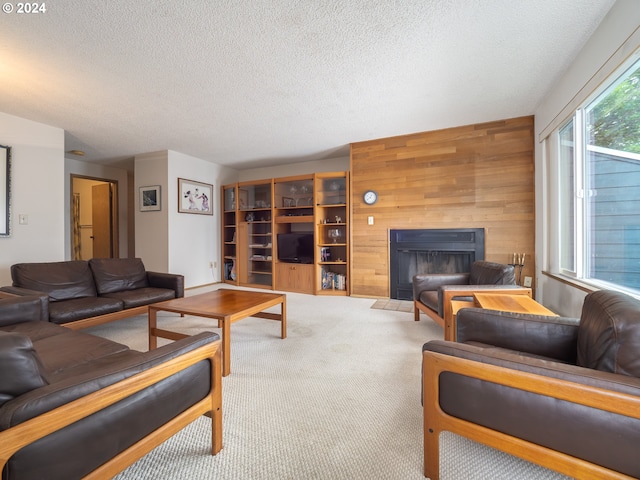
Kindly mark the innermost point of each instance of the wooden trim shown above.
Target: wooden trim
(16, 438)
(568, 281)
(435, 420)
(106, 318)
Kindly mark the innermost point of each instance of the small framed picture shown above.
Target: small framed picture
(150, 198)
(194, 197)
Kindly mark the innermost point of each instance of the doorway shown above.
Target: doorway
(94, 218)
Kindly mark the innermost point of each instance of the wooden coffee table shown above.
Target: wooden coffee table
(225, 305)
(511, 303)
(506, 302)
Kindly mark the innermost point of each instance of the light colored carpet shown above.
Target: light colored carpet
(339, 398)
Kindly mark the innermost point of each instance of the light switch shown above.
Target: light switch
(370, 220)
(23, 219)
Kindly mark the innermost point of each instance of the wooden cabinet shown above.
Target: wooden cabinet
(294, 277)
(312, 207)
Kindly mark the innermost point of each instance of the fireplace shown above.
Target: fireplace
(431, 251)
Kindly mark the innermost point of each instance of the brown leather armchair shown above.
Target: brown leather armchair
(433, 292)
(560, 392)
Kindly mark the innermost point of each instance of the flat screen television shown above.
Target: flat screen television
(295, 247)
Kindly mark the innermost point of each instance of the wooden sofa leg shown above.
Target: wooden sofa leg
(416, 311)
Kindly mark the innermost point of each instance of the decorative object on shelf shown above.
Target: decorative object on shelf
(5, 191)
(338, 219)
(243, 197)
(229, 199)
(249, 217)
(334, 186)
(194, 197)
(370, 197)
(232, 273)
(150, 198)
(288, 202)
(335, 234)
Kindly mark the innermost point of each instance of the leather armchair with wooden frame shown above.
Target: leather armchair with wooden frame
(434, 292)
(560, 392)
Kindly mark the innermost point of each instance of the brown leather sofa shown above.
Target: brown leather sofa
(80, 293)
(560, 392)
(74, 404)
(433, 292)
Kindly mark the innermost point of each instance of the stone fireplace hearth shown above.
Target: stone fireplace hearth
(431, 251)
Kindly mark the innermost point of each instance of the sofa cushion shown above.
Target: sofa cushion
(142, 296)
(118, 274)
(79, 308)
(21, 368)
(490, 273)
(71, 349)
(609, 333)
(60, 280)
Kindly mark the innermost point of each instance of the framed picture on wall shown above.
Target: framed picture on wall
(5, 190)
(194, 197)
(150, 198)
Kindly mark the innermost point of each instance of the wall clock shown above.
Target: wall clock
(370, 197)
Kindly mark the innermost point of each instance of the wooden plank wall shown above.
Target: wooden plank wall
(464, 177)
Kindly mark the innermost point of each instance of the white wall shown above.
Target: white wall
(194, 239)
(37, 190)
(118, 175)
(593, 62)
(168, 241)
(152, 227)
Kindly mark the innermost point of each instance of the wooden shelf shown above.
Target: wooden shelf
(294, 219)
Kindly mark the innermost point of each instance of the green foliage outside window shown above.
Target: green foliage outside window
(614, 120)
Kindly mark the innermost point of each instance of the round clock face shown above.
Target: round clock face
(370, 197)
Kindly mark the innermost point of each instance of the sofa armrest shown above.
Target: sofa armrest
(553, 337)
(96, 400)
(167, 280)
(28, 308)
(432, 281)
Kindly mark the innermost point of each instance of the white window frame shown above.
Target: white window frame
(581, 188)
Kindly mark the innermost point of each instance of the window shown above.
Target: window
(599, 197)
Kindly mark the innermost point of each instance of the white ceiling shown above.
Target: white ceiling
(259, 83)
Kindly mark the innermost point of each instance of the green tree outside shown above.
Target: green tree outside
(614, 122)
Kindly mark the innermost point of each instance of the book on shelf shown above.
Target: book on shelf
(333, 281)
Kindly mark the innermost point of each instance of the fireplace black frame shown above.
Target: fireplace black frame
(468, 242)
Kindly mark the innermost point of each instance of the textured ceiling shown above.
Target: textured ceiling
(259, 83)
